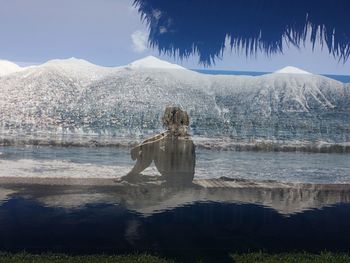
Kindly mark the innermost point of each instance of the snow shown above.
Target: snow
(153, 62)
(292, 70)
(7, 67)
(74, 64)
(74, 96)
(79, 69)
(84, 72)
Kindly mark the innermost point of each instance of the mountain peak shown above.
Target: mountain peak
(7, 67)
(153, 62)
(292, 70)
(77, 68)
(69, 62)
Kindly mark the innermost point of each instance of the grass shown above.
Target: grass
(58, 258)
(325, 257)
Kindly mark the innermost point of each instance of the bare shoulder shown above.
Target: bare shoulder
(154, 138)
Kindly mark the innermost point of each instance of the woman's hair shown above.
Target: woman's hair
(175, 117)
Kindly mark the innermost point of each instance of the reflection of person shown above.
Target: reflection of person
(172, 151)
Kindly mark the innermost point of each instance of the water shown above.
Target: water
(47, 218)
(230, 72)
(113, 162)
(73, 200)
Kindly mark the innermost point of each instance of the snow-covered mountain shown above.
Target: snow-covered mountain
(78, 70)
(7, 67)
(292, 70)
(75, 96)
(153, 62)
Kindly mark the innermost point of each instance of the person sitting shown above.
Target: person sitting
(172, 151)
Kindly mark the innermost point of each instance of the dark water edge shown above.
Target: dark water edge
(230, 72)
(26, 224)
(220, 144)
(341, 78)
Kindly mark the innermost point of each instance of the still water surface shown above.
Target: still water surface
(108, 162)
(268, 204)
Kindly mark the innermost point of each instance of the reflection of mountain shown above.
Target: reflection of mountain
(5, 194)
(152, 197)
(74, 96)
(147, 217)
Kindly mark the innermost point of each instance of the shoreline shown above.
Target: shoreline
(216, 144)
(153, 181)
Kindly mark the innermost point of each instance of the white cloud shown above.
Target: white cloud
(139, 41)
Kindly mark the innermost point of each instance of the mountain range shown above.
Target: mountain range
(74, 96)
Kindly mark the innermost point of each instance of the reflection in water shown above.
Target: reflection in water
(184, 28)
(221, 214)
(286, 199)
(5, 194)
(172, 151)
(153, 196)
(230, 217)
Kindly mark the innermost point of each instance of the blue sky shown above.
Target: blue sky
(110, 33)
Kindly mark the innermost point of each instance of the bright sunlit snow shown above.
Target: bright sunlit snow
(292, 70)
(7, 67)
(73, 96)
(153, 62)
